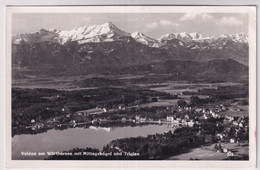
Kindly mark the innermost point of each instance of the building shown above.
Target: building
(229, 153)
(232, 140)
(235, 123)
(91, 112)
(137, 117)
(214, 115)
(95, 120)
(121, 107)
(225, 150)
(79, 113)
(220, 136)
(103, 120)
(205, 116)
(190, 123)
(39, 125)
(198, 110)
(176, 121)
(142, 119)
(217, 110)
(241, 124)
(230, 118)
(169, 118)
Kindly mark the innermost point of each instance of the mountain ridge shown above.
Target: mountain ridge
(182, 46)
(107, 49)
(93, 33)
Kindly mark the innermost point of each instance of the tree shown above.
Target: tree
(181, 103)
(154, 99)
(194, 100)
(220, 147)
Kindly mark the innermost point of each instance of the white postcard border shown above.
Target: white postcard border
(251, 10)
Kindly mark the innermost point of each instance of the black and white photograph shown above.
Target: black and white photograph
(132, 83)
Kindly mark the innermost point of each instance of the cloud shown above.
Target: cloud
(230, 21)
(192, 16)
(152, 25)
(162, 22)
(188, 16)
(168, 23)
(226, 20)
(206, 16)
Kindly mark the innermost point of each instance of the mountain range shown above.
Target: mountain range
(109, 32)
(107, 49)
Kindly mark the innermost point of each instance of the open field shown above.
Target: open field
(169, 102)
(234, 113)
(209, 153)
(200, 154)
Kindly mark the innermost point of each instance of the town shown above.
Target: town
(213, 121)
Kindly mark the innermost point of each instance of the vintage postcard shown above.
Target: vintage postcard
(114, 86)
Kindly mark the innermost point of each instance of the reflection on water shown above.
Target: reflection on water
(94, 137)
(107, 129)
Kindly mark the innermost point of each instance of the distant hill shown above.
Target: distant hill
(209, 71)
(99, 82)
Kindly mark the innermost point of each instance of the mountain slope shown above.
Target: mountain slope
(85, 58)
(218, 47)
(105, 49)
(42, 35)
(145, 39)
(92, 33)
(183, 36)
(210, 71)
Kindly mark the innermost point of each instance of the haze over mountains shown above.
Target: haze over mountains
(108, 49)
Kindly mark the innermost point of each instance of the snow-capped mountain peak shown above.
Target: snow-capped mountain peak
(167, 37)
(145, 39)
(240, 37)
(109, 32)
(37, 37)
(53, 30)
(137, 34)
(196, 36)
(183, 36)
(93, 33)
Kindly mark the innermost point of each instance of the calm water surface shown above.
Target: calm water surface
(94, 137)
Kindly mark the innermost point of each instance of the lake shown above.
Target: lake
(64, 140)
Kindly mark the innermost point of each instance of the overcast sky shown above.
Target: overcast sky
(153, 25)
